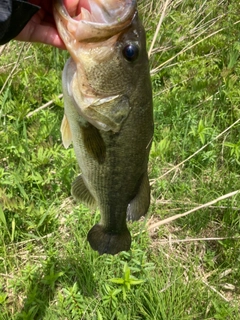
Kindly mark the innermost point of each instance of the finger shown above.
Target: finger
(46, 34)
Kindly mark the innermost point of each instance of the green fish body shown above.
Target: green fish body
(108, 115)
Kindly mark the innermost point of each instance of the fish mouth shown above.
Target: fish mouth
(91, 20)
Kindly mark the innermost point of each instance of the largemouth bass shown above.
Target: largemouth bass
(108, 113)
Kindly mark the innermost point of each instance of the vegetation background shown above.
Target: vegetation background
(180, 266)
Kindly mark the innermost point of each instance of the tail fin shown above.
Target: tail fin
(104, 241)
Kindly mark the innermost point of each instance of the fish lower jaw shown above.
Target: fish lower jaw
(93, 19)
(101, 11)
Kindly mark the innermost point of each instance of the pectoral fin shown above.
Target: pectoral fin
(81, 193)
(93, 142)
(66, 132)
(139, 205)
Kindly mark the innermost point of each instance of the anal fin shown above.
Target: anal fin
(139, 205)
(81, 193)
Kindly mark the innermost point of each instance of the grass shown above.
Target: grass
(181, 266)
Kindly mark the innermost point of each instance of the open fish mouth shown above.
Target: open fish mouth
(91, 20)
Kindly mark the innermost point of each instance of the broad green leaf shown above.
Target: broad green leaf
(2, 217)
(13, 229)
(134, 282)
(117, 280)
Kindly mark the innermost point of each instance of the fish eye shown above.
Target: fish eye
(130, 52)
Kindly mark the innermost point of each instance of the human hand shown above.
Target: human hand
(42, 27)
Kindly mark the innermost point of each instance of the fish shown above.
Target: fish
(108, 114)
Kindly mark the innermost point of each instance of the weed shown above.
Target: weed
(125, 282)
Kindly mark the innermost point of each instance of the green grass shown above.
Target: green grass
(185, 269)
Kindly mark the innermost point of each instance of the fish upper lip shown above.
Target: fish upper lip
(105, 20)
